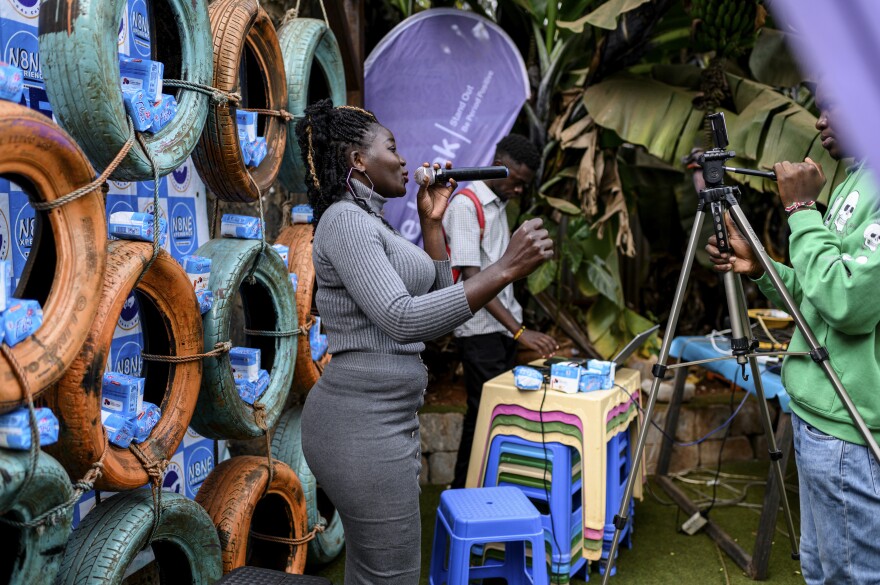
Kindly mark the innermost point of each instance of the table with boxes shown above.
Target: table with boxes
(565, 442)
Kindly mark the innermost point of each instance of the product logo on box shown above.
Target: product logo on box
(27, 8)
(22, 51)
(181, 178)
(129, 318)
(128, 359)
(25, 228)
(139, 25)
(199, 463)
(183, 228)
(173, 480)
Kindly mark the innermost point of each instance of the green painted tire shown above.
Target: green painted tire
(269, 305)
(287, 448)
(304, 40)
(102, 547)
(78, 44)
(31, 556)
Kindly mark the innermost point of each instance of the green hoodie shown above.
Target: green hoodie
(835, 280)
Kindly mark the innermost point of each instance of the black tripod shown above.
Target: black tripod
(717, 200)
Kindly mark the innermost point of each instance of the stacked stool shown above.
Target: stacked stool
(618, 466)
(473, 517)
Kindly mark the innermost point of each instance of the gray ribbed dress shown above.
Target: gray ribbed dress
(379, 297)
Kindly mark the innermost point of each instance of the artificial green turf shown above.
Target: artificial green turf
(660, 554)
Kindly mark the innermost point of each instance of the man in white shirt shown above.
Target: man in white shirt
(488, 341)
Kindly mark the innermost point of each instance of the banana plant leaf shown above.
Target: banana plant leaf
(603, 17)
(771, 62)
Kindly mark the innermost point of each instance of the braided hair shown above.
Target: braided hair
(325, 134)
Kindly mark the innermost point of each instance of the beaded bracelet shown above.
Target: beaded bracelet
(797, 205)
(519, 333)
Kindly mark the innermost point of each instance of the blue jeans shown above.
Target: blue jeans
(840, 508)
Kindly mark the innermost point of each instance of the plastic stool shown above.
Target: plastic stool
(619, 464)
(259, 576)
(472, 516)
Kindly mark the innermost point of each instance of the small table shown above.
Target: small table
(699, 348)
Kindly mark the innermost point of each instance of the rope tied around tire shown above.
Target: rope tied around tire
(313, 533)
(101, 181)
(219, 349)
(260, 420)
(293, 13)
(285, 116)
(155, 469)
(258, 333)
(218, 96)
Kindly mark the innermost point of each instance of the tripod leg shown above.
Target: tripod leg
(818, 353)
(739, 313)
(620, 519)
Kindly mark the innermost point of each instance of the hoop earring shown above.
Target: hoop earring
(350, 188)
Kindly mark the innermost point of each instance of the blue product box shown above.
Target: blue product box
(139, 108)
(317, 341)
(598, 375)
(15, 428)
(245, 362)
(120, 430)
(565, 376)
(6, 276)
(126, 355)
(250, 392)
(302, 213)
(136, 226)
(184, 239)
(247, 125)
(199, 459)
(205, 299)
(260, 150)
(240, 226)
(164, 111)
(139, 37)
(526, 378)
(121, 394)
(283, 251)
(294, 281)
(146, 419)
(21, 319)
(142, 74)
(245, 152)
(198, 269)
(11, 83)
(23, 227)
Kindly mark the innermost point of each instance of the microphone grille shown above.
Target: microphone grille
(423, 177)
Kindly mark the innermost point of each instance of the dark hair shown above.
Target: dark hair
(520, 149)
(325, 133)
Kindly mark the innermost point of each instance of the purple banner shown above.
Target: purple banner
(449, 84)
(838, 42)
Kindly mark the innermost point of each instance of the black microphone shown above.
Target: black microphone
(442, 176)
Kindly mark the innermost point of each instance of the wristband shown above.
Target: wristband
(797, 205)
(519, 333)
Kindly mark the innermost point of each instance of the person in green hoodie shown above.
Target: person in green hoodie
(834, 278)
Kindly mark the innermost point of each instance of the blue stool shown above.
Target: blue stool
(618, 466)
(468, 517)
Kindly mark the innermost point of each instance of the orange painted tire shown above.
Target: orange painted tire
(298, 238)
(241, 28)
(69, 256)
(172, 326)
(233, 495)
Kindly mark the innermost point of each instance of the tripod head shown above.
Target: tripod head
(713, 160)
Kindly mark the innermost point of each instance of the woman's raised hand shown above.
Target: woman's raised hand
(432, 199)
(530, 246)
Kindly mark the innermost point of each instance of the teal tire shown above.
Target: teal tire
(32, 556)
(186, 544)
(287, 448)
(304, 41)
(80, 63)
(269, 305)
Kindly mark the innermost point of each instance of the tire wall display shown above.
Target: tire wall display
(80, 62)
(32, 556)
(170, 309)
(304, 42)
(243, 31)
(185, 544)
(236, 498)
(298, 238)
(269, 305)
(287, 447)
(65, 268)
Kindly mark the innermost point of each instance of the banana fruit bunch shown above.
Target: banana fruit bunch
(725, 26)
